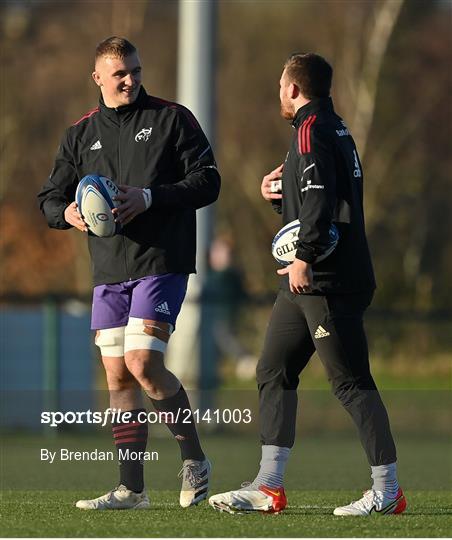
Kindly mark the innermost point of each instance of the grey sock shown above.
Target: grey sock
(273, 465)
(385, 478)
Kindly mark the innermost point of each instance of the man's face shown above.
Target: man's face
(285, 92)
(119, 79)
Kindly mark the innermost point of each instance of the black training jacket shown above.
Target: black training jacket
(322, 183)
(150, 143)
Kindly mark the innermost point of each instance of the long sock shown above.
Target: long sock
(272, 466)
(131, 437)
(184, 429)
(385, 478)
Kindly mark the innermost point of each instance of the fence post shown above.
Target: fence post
(51, 346)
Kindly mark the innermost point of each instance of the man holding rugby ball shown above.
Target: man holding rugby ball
(157, 154)
(321, 301)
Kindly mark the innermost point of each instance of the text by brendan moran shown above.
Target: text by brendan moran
(64, 454)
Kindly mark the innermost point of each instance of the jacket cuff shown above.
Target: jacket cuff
(305, 255)
(55, 216)
(158, 197)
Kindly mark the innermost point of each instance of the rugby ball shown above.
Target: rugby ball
(94, 198)
(285, 243)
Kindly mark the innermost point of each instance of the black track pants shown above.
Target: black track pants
(332, 325)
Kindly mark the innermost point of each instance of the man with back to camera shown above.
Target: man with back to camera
(320, 305)
(157, 153)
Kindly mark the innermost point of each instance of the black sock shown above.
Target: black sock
(131, 436)
(184, 430)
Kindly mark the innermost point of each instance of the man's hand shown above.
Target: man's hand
(276, 174)
(74, 218)
(132, 204)
(300, 276)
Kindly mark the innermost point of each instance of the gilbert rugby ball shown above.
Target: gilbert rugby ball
(94, 198)
(285, 243)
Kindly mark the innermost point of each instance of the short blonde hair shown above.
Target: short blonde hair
(116, 47)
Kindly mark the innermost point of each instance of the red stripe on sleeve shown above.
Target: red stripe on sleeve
(303, 136)
(87, 115)
(305, 146)
(299, 138)
(186, 112)
(308, 134)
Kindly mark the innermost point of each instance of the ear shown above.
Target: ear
(96, 78)
(294, 91)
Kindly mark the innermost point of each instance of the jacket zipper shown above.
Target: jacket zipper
(120, 182)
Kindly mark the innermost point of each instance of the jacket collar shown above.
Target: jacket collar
(314, 106)
(115, 113)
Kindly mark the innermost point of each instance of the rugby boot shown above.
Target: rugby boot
(377, 502)
(119, 498)
(250, 499)
(195, 481)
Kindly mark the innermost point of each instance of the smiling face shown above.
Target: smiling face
(119, 79)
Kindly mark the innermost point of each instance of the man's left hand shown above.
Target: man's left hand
(132, 204)
(300, 276)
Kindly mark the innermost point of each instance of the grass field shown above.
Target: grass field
(43, 513)
(324, 471)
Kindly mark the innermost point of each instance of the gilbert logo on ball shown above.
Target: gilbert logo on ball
(94, 197)
(285, 243)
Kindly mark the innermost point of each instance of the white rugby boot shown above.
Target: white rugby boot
(195, 482)
(377, 502)
(250, 499)
(119, 498)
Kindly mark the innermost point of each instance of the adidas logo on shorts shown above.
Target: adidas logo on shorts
(321, 332)
(163, 308)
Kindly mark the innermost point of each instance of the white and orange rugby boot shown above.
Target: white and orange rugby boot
(377, 502)
(250, 499)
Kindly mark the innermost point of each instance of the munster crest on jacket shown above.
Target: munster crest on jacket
(143, 135)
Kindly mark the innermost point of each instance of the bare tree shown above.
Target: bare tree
(386, 16)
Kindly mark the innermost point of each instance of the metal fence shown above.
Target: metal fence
(49, 361)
